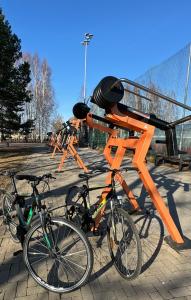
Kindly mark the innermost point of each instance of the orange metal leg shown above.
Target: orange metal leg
(159, 203)
(77, 158)
(54, 151)
(72, 151)
(64, 156)
(147, 180)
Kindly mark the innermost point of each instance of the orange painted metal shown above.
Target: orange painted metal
(57, 144)
(69, 149)
(114, 162)
(52, 140)
(140, 145)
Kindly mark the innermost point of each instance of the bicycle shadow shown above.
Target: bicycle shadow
(151, 233)
(171, 186)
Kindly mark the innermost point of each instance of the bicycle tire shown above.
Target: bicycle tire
(8, 215)
(49, 281)
(122, 245)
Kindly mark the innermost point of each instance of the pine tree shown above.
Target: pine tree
(14, 78)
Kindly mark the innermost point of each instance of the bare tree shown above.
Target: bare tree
(41, 107)
(57, 122)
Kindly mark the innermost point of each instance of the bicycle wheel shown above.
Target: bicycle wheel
(10, 215)
(60, 261)
(124, 244)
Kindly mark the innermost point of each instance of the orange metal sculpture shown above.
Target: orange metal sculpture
(69, 149)
(57, 144)
(52, 140)
(140, 147)
(107, 95)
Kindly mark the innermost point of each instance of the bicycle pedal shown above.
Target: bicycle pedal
(17, 252)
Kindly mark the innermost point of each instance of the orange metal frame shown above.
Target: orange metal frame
(140, 146)
(57, 144)
(52, 140)
(70, 150)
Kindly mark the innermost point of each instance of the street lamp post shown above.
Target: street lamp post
(85, 43)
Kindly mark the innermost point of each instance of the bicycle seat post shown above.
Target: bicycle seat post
(35, 190)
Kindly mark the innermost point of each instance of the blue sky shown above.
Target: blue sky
(129, 38)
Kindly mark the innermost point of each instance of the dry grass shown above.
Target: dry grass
(13, 157)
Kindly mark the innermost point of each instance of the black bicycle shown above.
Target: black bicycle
(122, 235)
(57, 253)
(13, 215)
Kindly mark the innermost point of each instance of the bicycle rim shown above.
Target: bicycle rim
(124, 244)
(10, 217)
(62, 266)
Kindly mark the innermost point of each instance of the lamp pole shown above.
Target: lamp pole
(85, 43)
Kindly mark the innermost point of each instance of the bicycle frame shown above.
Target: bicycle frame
(24, 224)
(84, 194)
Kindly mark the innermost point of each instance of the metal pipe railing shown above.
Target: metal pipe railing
(150, 91)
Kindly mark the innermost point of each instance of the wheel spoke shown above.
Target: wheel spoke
(72, 269)
(70, 244)
(74, 253)
(127, 255)
(40, 259)
(69, 260)
(38, 253)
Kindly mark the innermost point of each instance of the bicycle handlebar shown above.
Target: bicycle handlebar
(107, 169)
(8, 173)
(104, 170)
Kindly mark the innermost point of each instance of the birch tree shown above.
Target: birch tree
(41, 107)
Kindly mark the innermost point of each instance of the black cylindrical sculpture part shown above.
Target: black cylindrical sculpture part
(108, 92)
(80, 110)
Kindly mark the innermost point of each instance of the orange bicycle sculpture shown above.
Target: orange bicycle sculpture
(68, 142)
(107, 95)
(57, 143)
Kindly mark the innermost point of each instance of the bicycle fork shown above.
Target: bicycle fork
(48, 234)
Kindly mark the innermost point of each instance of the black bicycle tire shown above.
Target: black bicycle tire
(13, 236)
(129, 219)
(88, 248)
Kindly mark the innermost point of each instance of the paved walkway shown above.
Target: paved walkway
(166, 274)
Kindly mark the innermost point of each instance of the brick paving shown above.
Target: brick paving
(166, 274)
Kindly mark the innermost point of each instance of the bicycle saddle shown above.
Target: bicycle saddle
(10, 173)
(84, 176)
(26, 177)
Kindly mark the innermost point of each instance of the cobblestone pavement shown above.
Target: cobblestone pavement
(166, 274)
